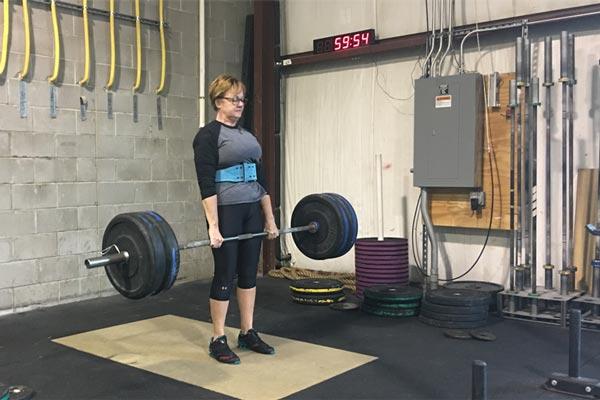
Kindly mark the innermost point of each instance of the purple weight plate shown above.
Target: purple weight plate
(387, 261)
(383, 263)
(381, 267)
(382, 277)
(380, 245)
(375, 254)
(382, 281)
(372, 277)
(369, 277)
(384, 250)
(385, 257)
(381, 271)
(375, 250)
(385, 240)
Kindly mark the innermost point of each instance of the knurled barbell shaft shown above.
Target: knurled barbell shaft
(116, 258)
(312, 227)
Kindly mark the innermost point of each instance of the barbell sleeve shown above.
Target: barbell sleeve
(103, 261)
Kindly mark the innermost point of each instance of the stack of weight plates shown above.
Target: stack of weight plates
(455, 308)
(492, 289)
(317, 291)
(380, 262)
(392, 301)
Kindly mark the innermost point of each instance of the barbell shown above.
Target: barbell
(141, 253)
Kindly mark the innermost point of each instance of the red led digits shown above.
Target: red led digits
(346, 41)
(337, 43)
(365, 36)
(343, 42)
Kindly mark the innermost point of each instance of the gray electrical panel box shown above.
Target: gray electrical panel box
(449, 125)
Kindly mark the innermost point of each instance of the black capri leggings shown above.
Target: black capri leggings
(238, 256)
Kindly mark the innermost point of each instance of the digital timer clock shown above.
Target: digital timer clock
(344, 42)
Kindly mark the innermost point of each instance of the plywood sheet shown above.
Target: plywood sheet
(451, 207)
(177, 348)
(586, 207)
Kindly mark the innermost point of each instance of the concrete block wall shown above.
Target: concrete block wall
(225, 29)
(63, 179)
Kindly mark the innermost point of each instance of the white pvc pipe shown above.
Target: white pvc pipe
(378, 164)
(201, 64)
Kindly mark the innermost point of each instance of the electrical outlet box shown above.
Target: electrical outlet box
(449, 125)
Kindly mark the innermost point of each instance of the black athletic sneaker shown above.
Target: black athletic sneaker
(220, 351)
(252, 341)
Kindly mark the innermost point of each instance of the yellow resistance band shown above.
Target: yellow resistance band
(86, 36)
(138, 46)
(111, 72)
(52, 78)
(5, 31)
(25, 70)
(163, 48)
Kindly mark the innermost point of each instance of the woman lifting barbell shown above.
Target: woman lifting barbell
(235, 201)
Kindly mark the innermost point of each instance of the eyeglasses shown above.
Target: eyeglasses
(236, 100)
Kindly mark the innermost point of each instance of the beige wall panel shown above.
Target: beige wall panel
(320, 101)
(305, 20)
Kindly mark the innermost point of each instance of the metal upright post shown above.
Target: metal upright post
(513, 234)
(527, 165)
(519, 150)
(571, 82)
(566, 162)
(548, 83)
(534, 103)
(479, 380)
(573, 383)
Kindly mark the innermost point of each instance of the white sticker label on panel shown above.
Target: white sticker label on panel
(443, 101)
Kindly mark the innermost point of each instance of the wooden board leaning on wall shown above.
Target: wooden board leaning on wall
(452, 208)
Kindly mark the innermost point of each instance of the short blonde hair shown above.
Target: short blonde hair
(221, 85)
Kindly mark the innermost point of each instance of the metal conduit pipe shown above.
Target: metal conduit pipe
(489, 29)
(437, 53)
(433, 275)
(432, 45)
(450, 12)
(446, 4)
